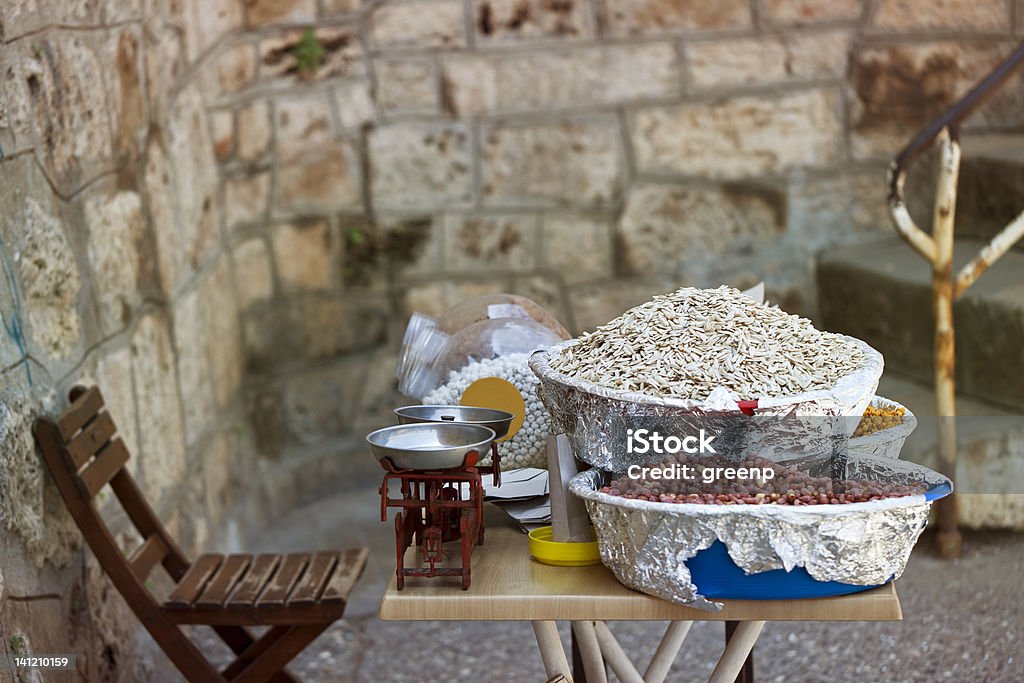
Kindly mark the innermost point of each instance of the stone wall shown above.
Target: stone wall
(224, 211)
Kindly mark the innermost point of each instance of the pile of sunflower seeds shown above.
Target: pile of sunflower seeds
(692, 341)
(528, 447)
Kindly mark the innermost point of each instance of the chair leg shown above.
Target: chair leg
(283, 643)
(239, 639)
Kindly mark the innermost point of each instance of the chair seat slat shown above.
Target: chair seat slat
(308, 590)
(252, 584)
(194, 581)
(350, 568)
(108, 462)
(89, 442)
(78, 414)
(280, 586)
(231, 570)
(147, 556)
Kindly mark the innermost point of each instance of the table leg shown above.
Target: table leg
(746, 674)
(667, 650)
(551, 650)
(590, 667)
(736, 651)
(616, 657)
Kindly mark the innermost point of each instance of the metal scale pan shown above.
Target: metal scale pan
(429, 446)
(497, 420)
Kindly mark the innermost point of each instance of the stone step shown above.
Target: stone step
(990, 446)
(880, 292)
(991, 188)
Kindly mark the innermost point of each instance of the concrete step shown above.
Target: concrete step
(990, 447)
(991, 188)
(881, 293)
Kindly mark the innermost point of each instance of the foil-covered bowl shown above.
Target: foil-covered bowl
(596, 418)
(647, 545)
(886, 443)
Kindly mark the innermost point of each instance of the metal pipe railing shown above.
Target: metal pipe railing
(937, 249)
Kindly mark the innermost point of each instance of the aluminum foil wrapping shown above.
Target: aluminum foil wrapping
(595, 418)
(646, 544)
(886, 443)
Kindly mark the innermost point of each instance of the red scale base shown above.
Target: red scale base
(432, 511)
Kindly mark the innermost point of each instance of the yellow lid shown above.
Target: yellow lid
(547, 551)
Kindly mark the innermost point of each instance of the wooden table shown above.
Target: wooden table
(508, 585)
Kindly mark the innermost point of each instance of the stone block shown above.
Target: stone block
(838, 209)
(303, 123)
(334, 327)
(18, 17)
(407, 86)
(896, 89)
(395, 246)
(17, 113)
(190, 154)
(353, 102)
(70, 111)
(319, 403)
(303, 254)
(499, 21)
(332, 7)
(569, 78)
(165, 62)
(30, 510)
(254, 279)
(160, 192)
(737, 61)
(740, 137)
(312, 327)
(116, 248)
(905, 16)
(419, 165)
(343, 55)
(420, 23)
(49, 281)
(663, 226)
(228, 71)
(745, 61)
(206, 22)
(802, 12)
(485, 243)
(597, 303)
(114, 377)
(254, 131)
(222, 131)
(223, 331)
(264, 12)
(576, 246)
(529, 164)
(246, 198)
(434, 298)
(633, 17)
(161, 438)
(321, 179)
(125, 92)
(192, 339)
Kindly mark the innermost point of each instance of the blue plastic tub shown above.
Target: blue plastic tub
(717, 577)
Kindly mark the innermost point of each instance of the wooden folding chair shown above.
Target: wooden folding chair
(298, 596)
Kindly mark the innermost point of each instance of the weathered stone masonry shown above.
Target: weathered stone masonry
(229, 240)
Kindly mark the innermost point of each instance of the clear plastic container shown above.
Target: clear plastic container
(498, 349)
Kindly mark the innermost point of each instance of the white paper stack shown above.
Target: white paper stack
(523, 494)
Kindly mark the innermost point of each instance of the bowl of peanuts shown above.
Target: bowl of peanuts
(882, 429)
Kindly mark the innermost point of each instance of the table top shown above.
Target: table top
(509, 585)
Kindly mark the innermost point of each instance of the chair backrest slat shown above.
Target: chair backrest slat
(91, 439)
(83, 409)
(108, 463)
(146, 556)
